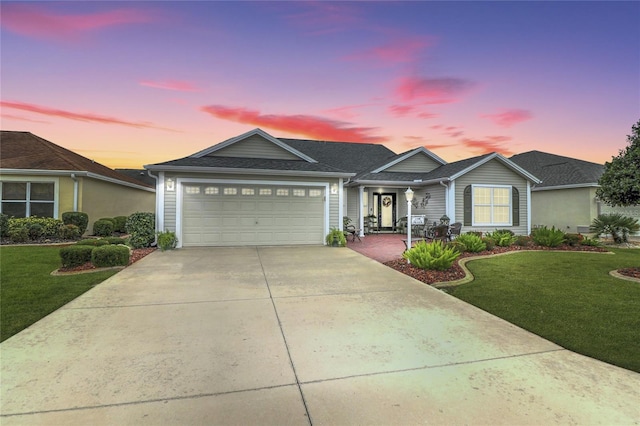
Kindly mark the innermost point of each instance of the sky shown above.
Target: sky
(134, 83)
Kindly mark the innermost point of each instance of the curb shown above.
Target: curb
(87, 271)
(616, 274)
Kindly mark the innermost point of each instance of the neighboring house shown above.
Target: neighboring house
(40, 178)
(255, 189)
(566, 197)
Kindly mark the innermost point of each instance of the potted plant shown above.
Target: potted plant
(336, 238)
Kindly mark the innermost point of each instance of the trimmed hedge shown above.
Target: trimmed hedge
(103, 227)
(95, 242)
(110, 255)
(75, 255)
(4, 225)
(120, 224)
(79, 219)
(141, 228)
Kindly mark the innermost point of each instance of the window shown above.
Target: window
(282, 192)
(299, 193)
(248, 191)
(315, 193)
(211, 190)
(265, 191)
(192, 189)
(230, 191)
(491, 205)
(24, 199)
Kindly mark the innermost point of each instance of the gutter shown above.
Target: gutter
(229, 170)
(77, 173)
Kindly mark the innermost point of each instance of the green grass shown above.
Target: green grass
(568, 298)
(27, 290)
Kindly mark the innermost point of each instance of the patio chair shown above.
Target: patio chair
(440, 232)
(353, 231)
(454, 230)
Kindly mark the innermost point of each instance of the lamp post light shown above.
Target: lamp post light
(409, 194)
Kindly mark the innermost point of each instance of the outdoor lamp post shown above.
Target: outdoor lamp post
(409, 194)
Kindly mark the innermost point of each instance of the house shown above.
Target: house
(255, 189)
(40, 178)
(566, 197)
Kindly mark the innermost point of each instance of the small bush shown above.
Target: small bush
(18, 234)
(70, 232)
(546, 237)
(79, 219)
(573, 239)
(75, 255)
(141, 228)
(36, 231)
(103, 228)
(110, 255)
(94, 242)
(336, 238)
(120, 224)
(502, 237)
(4, 225)
(167, 240)
(522, 240)
(590, 242)
(471, 243)
(43, 227)
(433, 255)
(489, 243)
(114, 240)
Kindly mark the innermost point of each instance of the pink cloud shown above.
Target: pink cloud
(346, 112)
(20, 118)
(310, 126)
(176, 85)
(401, 110)
(87, 117)
(488, 145)
(427, 115)
(509, 117)
(321, 17)
(398, 51)
(38, 22)
(432, 90)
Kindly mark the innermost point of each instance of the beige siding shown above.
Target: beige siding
(255, 147)
(420, 163)
(352, 205)
(103, 199)
(566, 209)
(491, 173)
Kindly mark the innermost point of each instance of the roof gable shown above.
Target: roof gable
(417, 160)
(254, 144)
(26, 151)
(500, 158)
(559, 171)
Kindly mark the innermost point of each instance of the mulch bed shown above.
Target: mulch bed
(456, 272)
(136, 254)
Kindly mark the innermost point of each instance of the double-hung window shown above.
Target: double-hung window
(491, 205)
(24, 199)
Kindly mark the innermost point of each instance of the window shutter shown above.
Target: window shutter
(515, 206)
(467, 206)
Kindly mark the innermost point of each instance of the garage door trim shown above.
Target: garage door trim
(182, 180)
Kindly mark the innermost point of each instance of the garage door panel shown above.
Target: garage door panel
(255, 215)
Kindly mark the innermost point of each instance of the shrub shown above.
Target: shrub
(573, 239)
(471, 243)
(48, 227)
(502, 237)
(4, 225)
(590, 242)
(80, 219)
(120, 224)
(489, 243)
(110, 255)
(70, 232)
(522, 240)
(95, 242)
(141, 228)
(615, 224)
(114, 240)
(18, 234)
(546, 237)
(167, 240)
(434, 255)
(36, 231)
(75, 255)
(336, 238)
(103, 228)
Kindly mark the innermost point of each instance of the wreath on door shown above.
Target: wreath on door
(386, 201)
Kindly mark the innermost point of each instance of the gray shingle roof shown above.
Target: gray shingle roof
(251, 163)
(556, 170)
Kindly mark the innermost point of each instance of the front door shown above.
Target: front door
(385, 209)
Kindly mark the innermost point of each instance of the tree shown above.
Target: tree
(620, 182)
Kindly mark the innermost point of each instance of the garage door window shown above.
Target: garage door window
(211, 190)
(315, 193)
(299, 193)
(248, 191)
(230, 191)
(192, 189)
(265, 191)
(282, 192)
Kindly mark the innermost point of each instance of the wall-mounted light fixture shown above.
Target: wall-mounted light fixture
(334, 188)
(170, 184)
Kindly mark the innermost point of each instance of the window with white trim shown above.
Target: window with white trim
(248, 191)
(24, 199)
(282, 192)
(491, 205)
(315, 193)
(266, 191)
(230, 191)
(299, 192)
(211, 190)
(192, 189)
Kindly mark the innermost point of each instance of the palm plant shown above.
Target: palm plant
(616, 225)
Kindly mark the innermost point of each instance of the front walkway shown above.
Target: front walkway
(380, 247)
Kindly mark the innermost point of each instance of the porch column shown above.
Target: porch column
(360, 210)
(451, 203)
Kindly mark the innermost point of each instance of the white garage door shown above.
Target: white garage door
(231, 215)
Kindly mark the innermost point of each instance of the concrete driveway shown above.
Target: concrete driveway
(293, 335)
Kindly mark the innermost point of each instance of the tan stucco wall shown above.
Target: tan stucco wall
(104, 199)
(566, 209)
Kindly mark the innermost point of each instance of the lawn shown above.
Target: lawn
(568, 298)
(27, 290)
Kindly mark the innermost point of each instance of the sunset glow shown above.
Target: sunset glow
(134, 83)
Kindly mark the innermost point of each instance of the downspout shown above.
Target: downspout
(446, 199)
(76, 185)
(159, 202)
(361, 210)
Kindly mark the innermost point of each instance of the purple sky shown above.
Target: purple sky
(133, 83)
